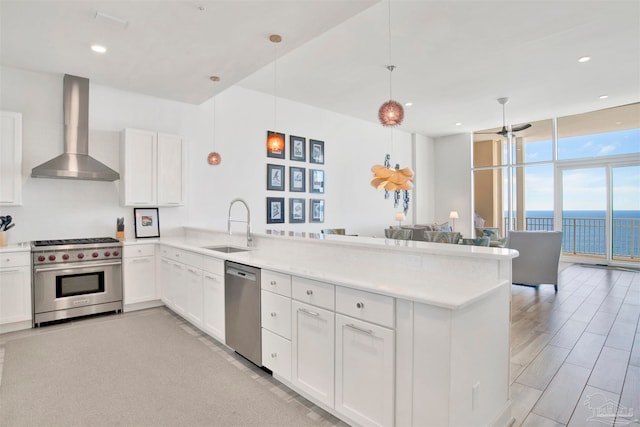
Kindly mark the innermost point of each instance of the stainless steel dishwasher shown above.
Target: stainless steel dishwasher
(242, 310)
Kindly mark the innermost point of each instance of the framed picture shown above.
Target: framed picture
(316, 210)
(316, 177)
(275, 177)
(296, 210)
(316, 150)
(275, 210)
(297, 148)
(297, 180)
(276, 154)
(146, 222)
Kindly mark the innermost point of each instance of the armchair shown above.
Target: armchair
(539, 256)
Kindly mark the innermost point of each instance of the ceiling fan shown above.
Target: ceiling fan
(504, 131)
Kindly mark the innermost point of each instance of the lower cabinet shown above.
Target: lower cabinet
(15, 289)
(178, 288)
(213, 298)
(165, 282)
(194, 295)
(312, 351)
(364, 372)
(276, 354)
(139, 274)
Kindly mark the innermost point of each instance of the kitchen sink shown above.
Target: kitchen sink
(226, 249)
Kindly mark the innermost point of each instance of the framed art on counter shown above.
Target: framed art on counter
(146, 222)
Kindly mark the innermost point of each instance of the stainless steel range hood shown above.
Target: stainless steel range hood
(75, 162)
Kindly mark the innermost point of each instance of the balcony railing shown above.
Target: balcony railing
(586, 236)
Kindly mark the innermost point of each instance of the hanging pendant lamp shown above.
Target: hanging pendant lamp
(391, 113)
(214, 158)
(275, 140)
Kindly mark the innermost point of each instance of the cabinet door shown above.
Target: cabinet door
(165, 282)
(179, 288)
(312, 345)
(194, 295)
(364, 371)
(11, 158)
(15, 294)
(276, 313)
(170, 170)
(213, 314)
(139, 279)
(139, 167)
(276, 354)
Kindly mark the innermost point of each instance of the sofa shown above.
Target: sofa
(493, 233)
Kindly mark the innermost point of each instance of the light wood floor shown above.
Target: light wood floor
(575, 355)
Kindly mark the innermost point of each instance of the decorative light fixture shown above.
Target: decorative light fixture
(391, 113)
(214, 158)
(275, 141)
(453, 215)
(394, 180)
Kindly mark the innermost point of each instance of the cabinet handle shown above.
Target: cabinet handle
(137, 260)
(309, 292)
(364, 331)
(312, 313)
(274, 355)
(273, 283)
(359, 304)
(192, 271)
(10, 271)
(273, 314)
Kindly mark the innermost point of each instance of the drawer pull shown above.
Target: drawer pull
(364, 331)
(10, 271)
(274, 355)
(359, 304)
(309, 292)
(312, 313)
(273, 314)
(273, 283)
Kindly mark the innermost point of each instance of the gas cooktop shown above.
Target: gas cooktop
(87, 241)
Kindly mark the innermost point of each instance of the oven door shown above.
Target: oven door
(72, 285)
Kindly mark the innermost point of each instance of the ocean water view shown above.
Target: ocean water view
(584, 231)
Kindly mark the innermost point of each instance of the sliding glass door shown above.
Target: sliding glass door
(625, 202)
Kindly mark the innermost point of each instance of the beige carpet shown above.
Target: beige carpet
(142, 369)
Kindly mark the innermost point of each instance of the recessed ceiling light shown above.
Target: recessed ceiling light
(458, 124)
(408, 104)
(97, 48)
(604, 96)
(584, 59)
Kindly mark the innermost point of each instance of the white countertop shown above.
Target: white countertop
(449, 276)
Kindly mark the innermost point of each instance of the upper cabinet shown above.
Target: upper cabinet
(10, 158)
(152, 168)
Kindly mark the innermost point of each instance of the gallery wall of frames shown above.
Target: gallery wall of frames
(302, 180)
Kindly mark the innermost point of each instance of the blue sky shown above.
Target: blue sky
(585, 189)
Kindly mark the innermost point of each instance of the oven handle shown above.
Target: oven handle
(84, 265)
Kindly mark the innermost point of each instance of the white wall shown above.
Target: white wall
(453, 181)
(424, 182)
(66, 208)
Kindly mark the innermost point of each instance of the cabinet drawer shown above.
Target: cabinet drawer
(14, 259)
(213, 265)
(276, 313)
(279, 283)
(185, 257)
(130, 251)
(365, 305)
(313, 292)
(276, 354)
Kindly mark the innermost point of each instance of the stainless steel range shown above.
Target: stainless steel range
(75, 277)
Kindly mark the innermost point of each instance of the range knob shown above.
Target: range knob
(80, 255)
(52, 257)
(107, 253)
(95, 254)
(41, 258)
(116, 253)
(65, 256)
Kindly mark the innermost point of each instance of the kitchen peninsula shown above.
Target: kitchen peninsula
(375, 331)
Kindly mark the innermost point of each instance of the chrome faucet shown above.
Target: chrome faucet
(248, 221)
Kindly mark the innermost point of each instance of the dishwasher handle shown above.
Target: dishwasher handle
(239, 273)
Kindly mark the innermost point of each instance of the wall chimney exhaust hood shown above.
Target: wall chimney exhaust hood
(75, 162)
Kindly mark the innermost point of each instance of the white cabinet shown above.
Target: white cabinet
(178, 288)
(312, 351)
(139, 273)
(182, 283)
(364, 372)
(276, 322)
(10, 158)
(213, 298)
(194, 295)
(15, 290)
(152, 168)
(164, 274)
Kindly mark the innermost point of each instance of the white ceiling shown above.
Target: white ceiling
(453, 58)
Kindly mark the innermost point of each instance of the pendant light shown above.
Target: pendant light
(214, 158)
(275, 140)
(391, 113)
